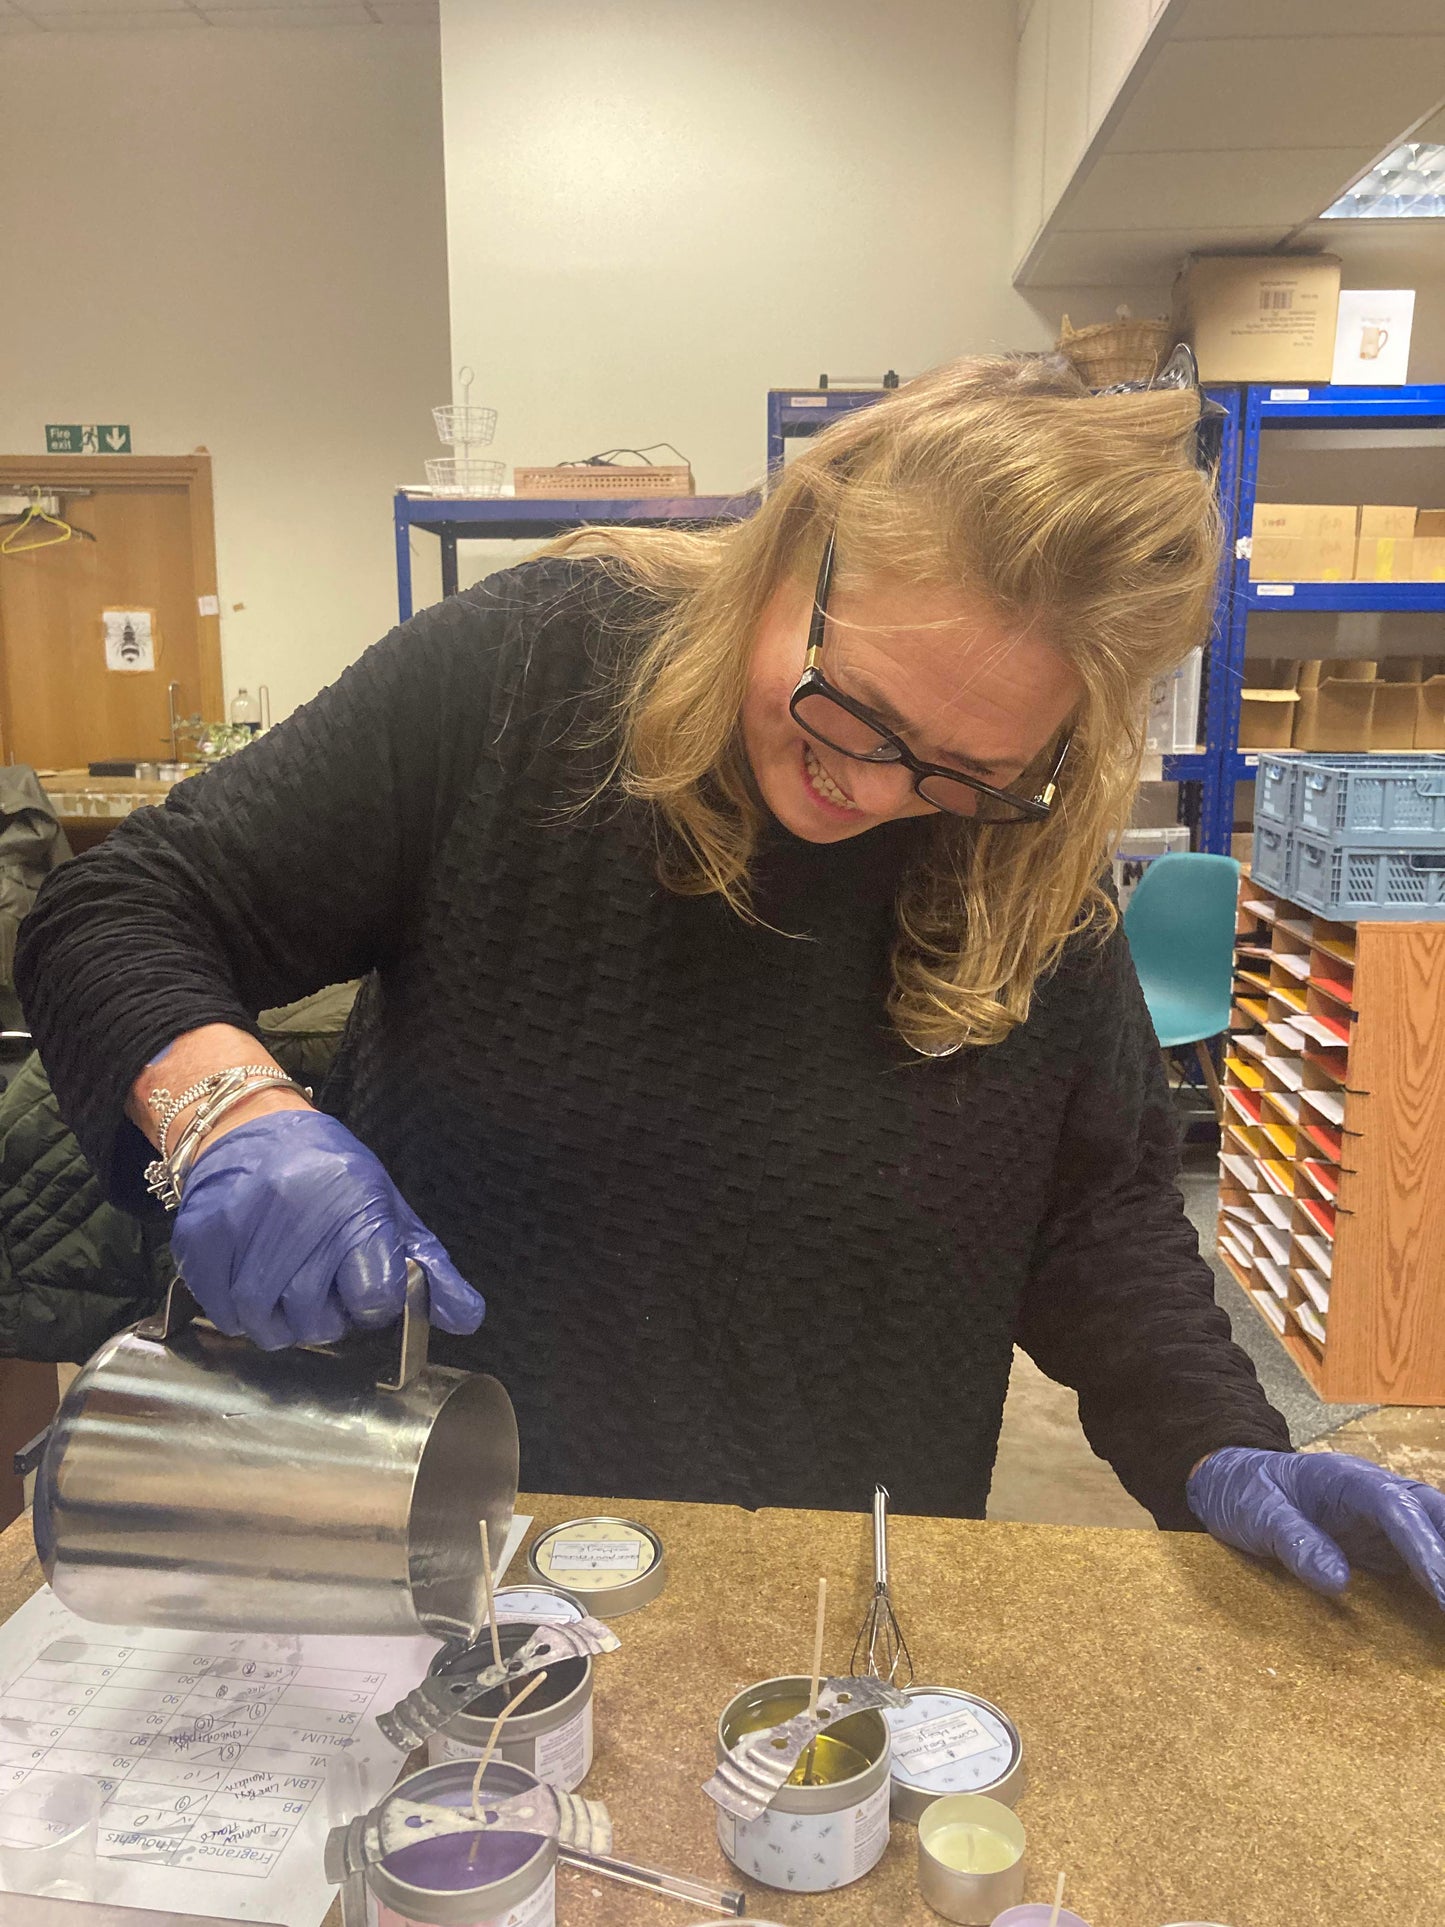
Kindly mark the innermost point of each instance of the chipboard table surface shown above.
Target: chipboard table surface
(1205, 1740)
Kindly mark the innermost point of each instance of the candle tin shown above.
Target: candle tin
(543, 1605)
(960, 1893)
(426, 1885)
(614, 1565)
(948, 1741)
(812, 1838)
(551, 1736)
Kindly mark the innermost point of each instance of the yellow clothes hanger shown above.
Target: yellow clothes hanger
(35, 516)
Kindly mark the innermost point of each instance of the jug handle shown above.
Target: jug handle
(179, 1308)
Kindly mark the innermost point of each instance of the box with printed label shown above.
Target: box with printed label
(1303, 519)
(1427, 558)
(1260, 317)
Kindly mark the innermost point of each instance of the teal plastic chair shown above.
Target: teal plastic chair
(1180, 926)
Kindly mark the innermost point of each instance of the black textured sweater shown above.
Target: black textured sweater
(737, 1241)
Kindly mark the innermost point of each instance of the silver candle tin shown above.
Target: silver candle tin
(948, 1741)
(526, 1898)
(551, 1736)
(551, 1605)
(812, 1838)
(608, 1591)
(974, 1899)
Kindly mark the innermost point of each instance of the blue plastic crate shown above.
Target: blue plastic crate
(1274, 788)
(1395, 802)
(1366, 884)
(1270, 864)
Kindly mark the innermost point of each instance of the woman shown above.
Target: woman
(743, 1010)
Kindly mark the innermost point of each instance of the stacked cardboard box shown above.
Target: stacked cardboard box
(1332, 542)
(1344, 703)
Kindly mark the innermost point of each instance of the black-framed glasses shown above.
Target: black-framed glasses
(840, 723)
(1181, 371)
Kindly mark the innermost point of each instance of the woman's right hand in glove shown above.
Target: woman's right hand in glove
(290, 1231)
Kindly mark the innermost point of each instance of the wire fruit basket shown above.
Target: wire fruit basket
(459, 424)
(459, 475)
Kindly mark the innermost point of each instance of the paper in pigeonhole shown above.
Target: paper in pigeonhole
(212, 1749)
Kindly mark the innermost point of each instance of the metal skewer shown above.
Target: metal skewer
(725, 1900)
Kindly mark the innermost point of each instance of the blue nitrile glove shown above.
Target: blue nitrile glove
(290, 1231)
(1317, 1511)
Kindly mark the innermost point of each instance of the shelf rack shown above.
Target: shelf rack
(1260, 409)
(509, 518)
(1332, 1155)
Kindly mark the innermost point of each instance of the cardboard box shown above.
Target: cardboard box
(1311, 558)
(1336, 705)
(1304, 519)
(1430, 523)
(1260, 317)
(1377, 520)
(1427, 558)
(1385, 558)
(1266, 718)
(1393, 720)
(1430, 715)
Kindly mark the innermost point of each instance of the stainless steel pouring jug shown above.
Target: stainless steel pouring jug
(190, 1480)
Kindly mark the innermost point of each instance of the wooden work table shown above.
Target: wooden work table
(1206, 1741)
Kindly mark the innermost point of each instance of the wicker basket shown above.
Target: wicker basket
(602, 478)
(1113, 351)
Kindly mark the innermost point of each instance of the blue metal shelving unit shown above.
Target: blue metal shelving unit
(502, 518)
(1264, 408)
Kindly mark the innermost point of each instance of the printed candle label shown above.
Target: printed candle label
(808, 1852)
(595, 1555)
(537, 1910)
(940, 1742)
(563, 1759)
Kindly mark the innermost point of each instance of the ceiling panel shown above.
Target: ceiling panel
(1223, 94)
(1127, 191)
(1299, 19)
(1146, 257)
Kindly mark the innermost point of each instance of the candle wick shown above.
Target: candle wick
(491, 1597)
(486, 1759)
(1058, 1902)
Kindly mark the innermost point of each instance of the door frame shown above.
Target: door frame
(190, 472)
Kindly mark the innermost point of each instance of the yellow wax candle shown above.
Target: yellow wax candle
(967, 1848)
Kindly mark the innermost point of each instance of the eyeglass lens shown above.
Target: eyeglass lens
(840, 729)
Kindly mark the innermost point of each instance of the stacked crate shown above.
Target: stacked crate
(1332, 1162)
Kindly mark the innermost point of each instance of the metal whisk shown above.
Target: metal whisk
(880, 1649)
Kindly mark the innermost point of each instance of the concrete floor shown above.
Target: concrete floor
(1046, 1471)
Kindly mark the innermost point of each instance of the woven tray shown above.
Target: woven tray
(1115, 350)
(602, 479)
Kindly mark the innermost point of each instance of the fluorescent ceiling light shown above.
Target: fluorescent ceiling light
(1408, 185)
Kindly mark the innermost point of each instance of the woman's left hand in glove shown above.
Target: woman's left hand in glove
(1319, 1512)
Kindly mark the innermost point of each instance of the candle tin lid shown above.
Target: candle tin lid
(614, 1565)
(542, 1605)
(948, 1741)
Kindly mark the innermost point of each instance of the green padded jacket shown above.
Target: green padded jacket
(73, 1268)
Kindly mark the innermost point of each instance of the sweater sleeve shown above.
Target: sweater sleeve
(1120, 1304)
(300, 862)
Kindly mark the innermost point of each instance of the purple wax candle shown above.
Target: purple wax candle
(457, 1862)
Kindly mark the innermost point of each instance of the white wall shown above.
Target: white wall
(236, 238)
(658, 209)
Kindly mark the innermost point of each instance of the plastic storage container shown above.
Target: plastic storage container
(1274, 789)
(1365, 885)
(1396, 801)
(1271, 864)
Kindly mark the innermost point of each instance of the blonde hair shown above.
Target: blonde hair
(1083, 518)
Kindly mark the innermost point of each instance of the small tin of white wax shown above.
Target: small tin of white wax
(810, 1839)
(542, 1605)
(947, 1741)
(970, 1858)
(550, 1736)
(612, 1565)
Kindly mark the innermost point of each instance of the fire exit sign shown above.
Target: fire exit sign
(87, 438)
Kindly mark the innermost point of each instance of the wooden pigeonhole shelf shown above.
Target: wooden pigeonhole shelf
(1332, 1160)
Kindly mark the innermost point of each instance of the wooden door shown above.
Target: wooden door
(61, 705)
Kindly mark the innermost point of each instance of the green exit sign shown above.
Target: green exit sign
(87, 438)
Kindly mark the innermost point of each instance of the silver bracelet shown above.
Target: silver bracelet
(225, 1090)
(168, 1108)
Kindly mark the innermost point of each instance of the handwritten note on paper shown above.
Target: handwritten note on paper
(211, 1749)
